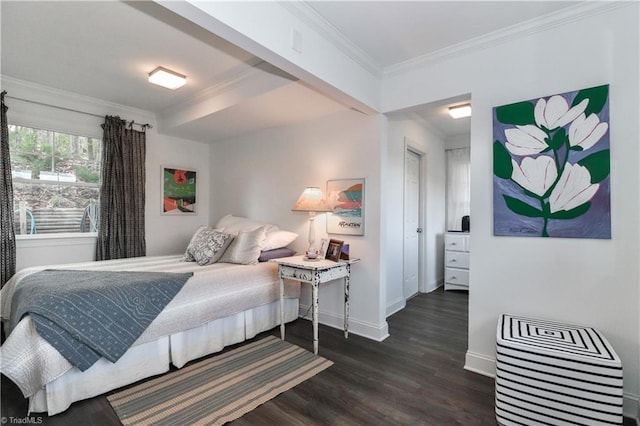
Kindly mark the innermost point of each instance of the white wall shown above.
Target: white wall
(593, 282)
(164, 234)
(171, 234)
(457, 141)
(262, 175)
(403, 134)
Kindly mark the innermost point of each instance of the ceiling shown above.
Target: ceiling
(104, 50)
(392, 32)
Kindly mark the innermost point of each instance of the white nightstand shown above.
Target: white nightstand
(314, 273)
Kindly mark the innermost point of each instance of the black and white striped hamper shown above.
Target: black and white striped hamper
(549, 373)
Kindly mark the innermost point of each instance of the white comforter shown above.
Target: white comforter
(215, 291)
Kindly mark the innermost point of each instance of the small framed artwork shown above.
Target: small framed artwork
(179, 191)
(334, 249)
(346, 198)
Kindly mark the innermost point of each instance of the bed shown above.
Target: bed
(221, 304)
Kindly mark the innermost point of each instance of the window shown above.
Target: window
(56, 181)
(458, 191)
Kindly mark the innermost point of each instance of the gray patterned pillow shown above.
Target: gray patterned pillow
(206, 246)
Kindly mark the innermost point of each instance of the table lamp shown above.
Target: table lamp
(312, 200)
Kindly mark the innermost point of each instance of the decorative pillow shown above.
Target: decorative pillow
(245, 248)
(207, 246)
(267, 255)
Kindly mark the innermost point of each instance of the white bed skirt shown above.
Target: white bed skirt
(153, 358)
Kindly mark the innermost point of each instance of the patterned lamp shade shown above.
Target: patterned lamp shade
(311, 200)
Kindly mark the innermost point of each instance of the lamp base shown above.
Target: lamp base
(311, 254)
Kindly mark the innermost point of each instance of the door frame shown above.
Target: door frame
(422, 203)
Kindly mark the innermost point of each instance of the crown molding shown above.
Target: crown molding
(536, 25)
(34, 92)
(303, 11)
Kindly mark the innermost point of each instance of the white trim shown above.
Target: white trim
(410, 146)
(434, 286)
(631, 406)
(324, 28)
(361, 328)
(396, 306)
(523, 29)
(480, 364)
(42, 107)
(309, 16)
(56, 240)
(57, 97)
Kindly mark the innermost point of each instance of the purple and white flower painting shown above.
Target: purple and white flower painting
(551, 166)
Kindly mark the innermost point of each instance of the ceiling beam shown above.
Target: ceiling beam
(255, 81)
(272, 32)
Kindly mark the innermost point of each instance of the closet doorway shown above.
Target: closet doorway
(413, 228)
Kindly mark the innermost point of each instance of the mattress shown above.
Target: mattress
(215, 291)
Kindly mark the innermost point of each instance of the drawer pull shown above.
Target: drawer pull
(453, 277)
(452, 261)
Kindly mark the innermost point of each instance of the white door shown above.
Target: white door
(412, 230)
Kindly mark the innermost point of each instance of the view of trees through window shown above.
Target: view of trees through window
(56, 180)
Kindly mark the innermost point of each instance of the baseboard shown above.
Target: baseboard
(480, 364)
(361, 328)
(396, 306)
(433, 286)
(631, 407)
(486, 366)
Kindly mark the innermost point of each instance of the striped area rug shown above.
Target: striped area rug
(218, 389)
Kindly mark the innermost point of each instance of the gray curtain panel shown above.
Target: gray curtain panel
(122, 195)
(8, 253)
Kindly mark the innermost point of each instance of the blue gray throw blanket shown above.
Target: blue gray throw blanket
(86, 315)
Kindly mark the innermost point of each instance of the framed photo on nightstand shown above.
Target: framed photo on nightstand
(334, 250)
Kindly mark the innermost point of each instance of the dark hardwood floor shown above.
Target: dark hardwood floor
(414, 377)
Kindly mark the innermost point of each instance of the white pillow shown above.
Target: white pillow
(246, 247)
(234, 224)
(207, 246)
(278, 238)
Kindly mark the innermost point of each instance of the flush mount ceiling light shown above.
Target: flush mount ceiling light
(167, 78)
(460, 111)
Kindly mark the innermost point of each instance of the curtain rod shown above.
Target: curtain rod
(129, 123)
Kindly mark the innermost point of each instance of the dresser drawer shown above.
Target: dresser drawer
(456, 242)
(456, 259)
(456, 276)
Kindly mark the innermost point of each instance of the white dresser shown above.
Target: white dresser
(456, 261)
